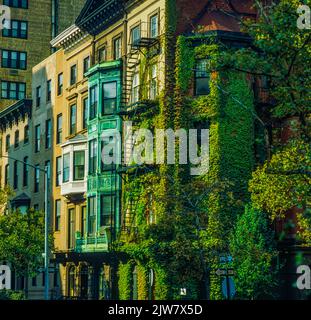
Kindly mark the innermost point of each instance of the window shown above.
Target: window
(73, 74)
(58, 207)
(59, 129)
(13, 90)
(83, 221)
(34, 281)
(154, 26)
(18, 29)
(37, 138)
(38, 96)
(47, 167)
(71, 228)
(48, 90)
(135, 88)
(16, 139)
(86, 64)
(202, 78)
(6, 174)
(60, 84)
(153, 82)
(79, 165)
(93, 102)
(48, 134)
(26, 134)
(117, 48)
(108, 154)
(135, 284)
(107, 210)
(102, 54)
(73, 119)
(92, 215)
(66, 167)
(15, 175)
(25, 172)
(109, 97)
(37, 178)
(135, 35)
(13, 59)
(16, 3)
(58, 171)
(7, 142)
(92, 156)
(85, 113)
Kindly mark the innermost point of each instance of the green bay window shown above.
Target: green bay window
(107, 210)
(93, 102)
(109, 97)
(92, 156)
(78, 165)
(92, 215)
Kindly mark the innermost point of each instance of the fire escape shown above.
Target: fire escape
(141, 44)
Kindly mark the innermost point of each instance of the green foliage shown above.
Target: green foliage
(125, 280)
(22, 241)
(253, 249)
(11, 295)
(284, 183)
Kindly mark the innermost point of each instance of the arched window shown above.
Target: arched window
(71, 281)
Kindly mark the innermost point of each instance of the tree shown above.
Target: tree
(280, 53)
(22, 241)
(253, 249)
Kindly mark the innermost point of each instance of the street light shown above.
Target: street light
(46, 223)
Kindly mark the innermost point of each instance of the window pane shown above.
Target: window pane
(66, 167)
(79, 165)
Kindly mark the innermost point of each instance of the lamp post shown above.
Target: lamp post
(46, 223)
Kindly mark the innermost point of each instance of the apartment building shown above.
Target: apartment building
(116, 63)
(33, 24)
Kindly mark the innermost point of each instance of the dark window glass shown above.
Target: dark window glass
(73, 74)
(71, 228)
(79, 165)
(58, 170)
(86, 64)
(48, 134)
(7, 142)
(7, 174)
(93, 102)
(59, 129)
(18, 29)
(16, 139)
(58, 204)
(85, 113)
(110, 97)
(26, 134)
(202, 78)
(25, 172)
(60, 84)
(154, 26)
(66, 167)
(92, 156)
(48, 90)
(92, 215)
(83, 221)
(38, 96)
(107, 210)
(37, 178)
(13, 90)
(15, 174)
(117, 48)
(16, 3)
(13, 59)
(37, 138)
(73, 119)
(135, 35)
